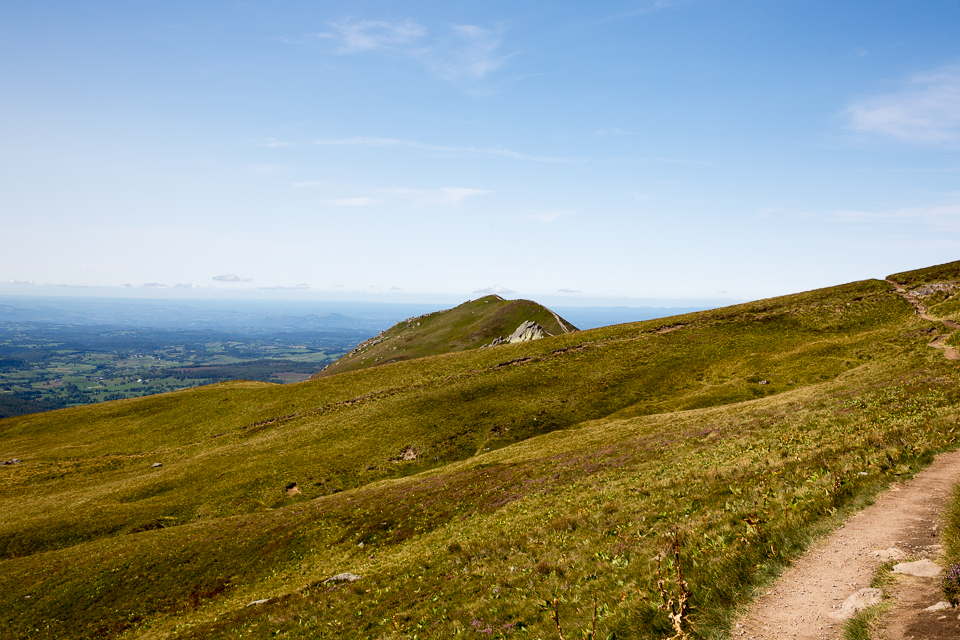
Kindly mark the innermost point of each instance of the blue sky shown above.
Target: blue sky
(622, 152)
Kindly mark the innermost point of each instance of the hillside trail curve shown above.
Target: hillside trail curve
(921, 310)
(904, 521)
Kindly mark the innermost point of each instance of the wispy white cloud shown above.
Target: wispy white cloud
(467, 53)
(373, 141)
(460, 54)
(945, 216)
(546, 217)
(568, 291)
(231, 277)
(925, 110)
(445, 196)
(356, 36)
(496, 290)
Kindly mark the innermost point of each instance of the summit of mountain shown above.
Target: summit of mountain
(484, 322)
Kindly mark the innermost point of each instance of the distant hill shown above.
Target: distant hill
(471, 325)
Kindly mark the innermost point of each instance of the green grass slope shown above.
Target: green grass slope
(471, 325)
(938, 273)
(546, 469)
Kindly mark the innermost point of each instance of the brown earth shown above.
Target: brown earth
(907, 619)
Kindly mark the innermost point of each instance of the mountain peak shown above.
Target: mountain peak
(473, 325)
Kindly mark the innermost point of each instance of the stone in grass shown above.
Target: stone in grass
(156, 464)
(342, 577)
(889, 554)
(858, 602)
(921, 568)
(940, 606)
(264, 601)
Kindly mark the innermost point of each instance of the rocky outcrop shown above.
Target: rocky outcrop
(527, 331)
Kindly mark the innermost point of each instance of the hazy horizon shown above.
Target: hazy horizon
(274, 315)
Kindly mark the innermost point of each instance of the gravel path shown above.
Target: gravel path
(938, 343)
(905, 517)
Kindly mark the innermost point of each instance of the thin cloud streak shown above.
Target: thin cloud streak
(447, 196)
(945, 216)
(659, 5)
(444, 197)
(925, 111)
(371, 141)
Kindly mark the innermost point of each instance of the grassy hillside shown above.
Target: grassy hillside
(937, 288)
(468, 488)
(939, 273)
(471, 325)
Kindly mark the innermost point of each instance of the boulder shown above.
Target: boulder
(342, 577)
(940, 606)
(857, 602)
(889, 554)
(921, 568)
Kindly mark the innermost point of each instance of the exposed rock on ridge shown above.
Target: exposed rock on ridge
(527, 331)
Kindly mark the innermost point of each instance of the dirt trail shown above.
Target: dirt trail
(565, 328)
(906, 517)
(937, 343)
